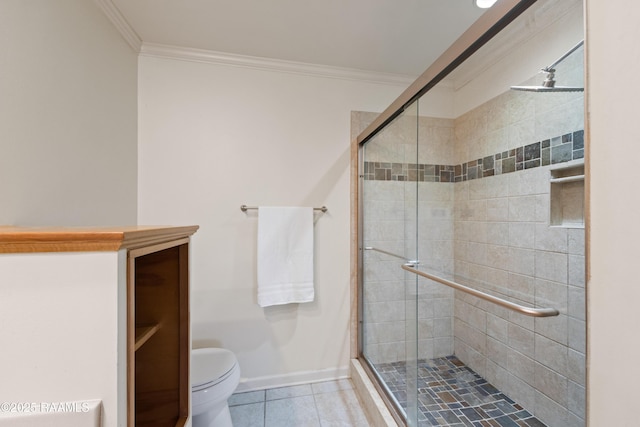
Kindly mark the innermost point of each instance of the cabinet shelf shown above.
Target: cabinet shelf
(143, 333)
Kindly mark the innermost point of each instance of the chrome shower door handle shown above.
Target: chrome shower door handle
(527, 311)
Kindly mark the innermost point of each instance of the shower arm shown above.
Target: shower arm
(551, 68)
(528, 311)
(549, 81)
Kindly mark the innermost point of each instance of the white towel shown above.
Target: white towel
(285, 255)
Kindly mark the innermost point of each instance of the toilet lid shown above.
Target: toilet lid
(209, 364)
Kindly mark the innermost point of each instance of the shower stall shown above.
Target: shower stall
(470, 237)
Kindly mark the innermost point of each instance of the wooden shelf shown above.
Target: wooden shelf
(143, 333)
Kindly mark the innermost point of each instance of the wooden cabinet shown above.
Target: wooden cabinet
(159, 333)
(130, 343)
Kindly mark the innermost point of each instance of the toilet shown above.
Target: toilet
(215, 374)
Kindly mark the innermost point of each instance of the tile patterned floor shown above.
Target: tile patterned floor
(325, 404)
(451, 394)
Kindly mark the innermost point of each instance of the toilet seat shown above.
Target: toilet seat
(210, 366)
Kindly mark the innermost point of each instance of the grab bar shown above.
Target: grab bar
(412, 262)
(527, 311)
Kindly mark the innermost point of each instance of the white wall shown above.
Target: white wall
(68, 128)
(613, 61)
(68, 343)
(214, 137)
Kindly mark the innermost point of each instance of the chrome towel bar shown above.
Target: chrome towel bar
(245, 208)
(527, 311)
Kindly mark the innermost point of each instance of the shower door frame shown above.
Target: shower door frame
(480, 32)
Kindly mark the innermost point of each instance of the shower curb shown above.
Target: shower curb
(375, 408)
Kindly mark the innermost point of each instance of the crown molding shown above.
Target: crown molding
(121, 24)
(235, 60)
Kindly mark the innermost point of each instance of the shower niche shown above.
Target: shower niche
(566, 195)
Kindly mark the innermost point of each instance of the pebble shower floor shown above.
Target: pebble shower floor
(451, 394)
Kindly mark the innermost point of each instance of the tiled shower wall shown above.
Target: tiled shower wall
(504, 242)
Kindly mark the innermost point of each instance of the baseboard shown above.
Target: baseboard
(295, 378)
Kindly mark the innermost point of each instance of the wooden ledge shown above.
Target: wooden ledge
(87, 239)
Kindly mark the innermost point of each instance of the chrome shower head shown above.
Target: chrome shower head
(548, 89)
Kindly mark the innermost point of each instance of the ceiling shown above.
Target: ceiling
(384, 36)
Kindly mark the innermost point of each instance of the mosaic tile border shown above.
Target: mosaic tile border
(558, 149)
(451, 394)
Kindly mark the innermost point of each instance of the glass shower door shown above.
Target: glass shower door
(482, 190)
(389, 340)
